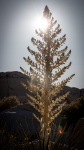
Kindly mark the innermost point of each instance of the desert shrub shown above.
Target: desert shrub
(8, 102)
(25, 101)
(13, 140)
(74, 111)
(10, 141)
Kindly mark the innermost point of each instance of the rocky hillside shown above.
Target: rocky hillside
(10, 86)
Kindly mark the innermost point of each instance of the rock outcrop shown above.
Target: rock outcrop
(10, 84)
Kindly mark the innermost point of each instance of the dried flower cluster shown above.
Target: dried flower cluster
(46, 70)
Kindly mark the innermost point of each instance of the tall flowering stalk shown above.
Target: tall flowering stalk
(48, 67)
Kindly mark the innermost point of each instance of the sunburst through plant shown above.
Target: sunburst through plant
(41, 23)
(41, 95)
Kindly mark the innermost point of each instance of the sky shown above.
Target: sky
(18, 24)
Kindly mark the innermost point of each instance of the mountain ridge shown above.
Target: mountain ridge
(10, 86)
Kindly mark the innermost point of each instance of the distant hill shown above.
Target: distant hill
(10, 86)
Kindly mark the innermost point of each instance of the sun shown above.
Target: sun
(41, 23)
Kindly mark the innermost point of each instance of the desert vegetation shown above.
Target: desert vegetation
(66, 140)
(8, 102)
(73, 112)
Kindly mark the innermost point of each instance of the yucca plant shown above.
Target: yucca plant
(11, 140)
(45, 71)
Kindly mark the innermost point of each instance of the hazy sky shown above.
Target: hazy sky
(17, 26)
